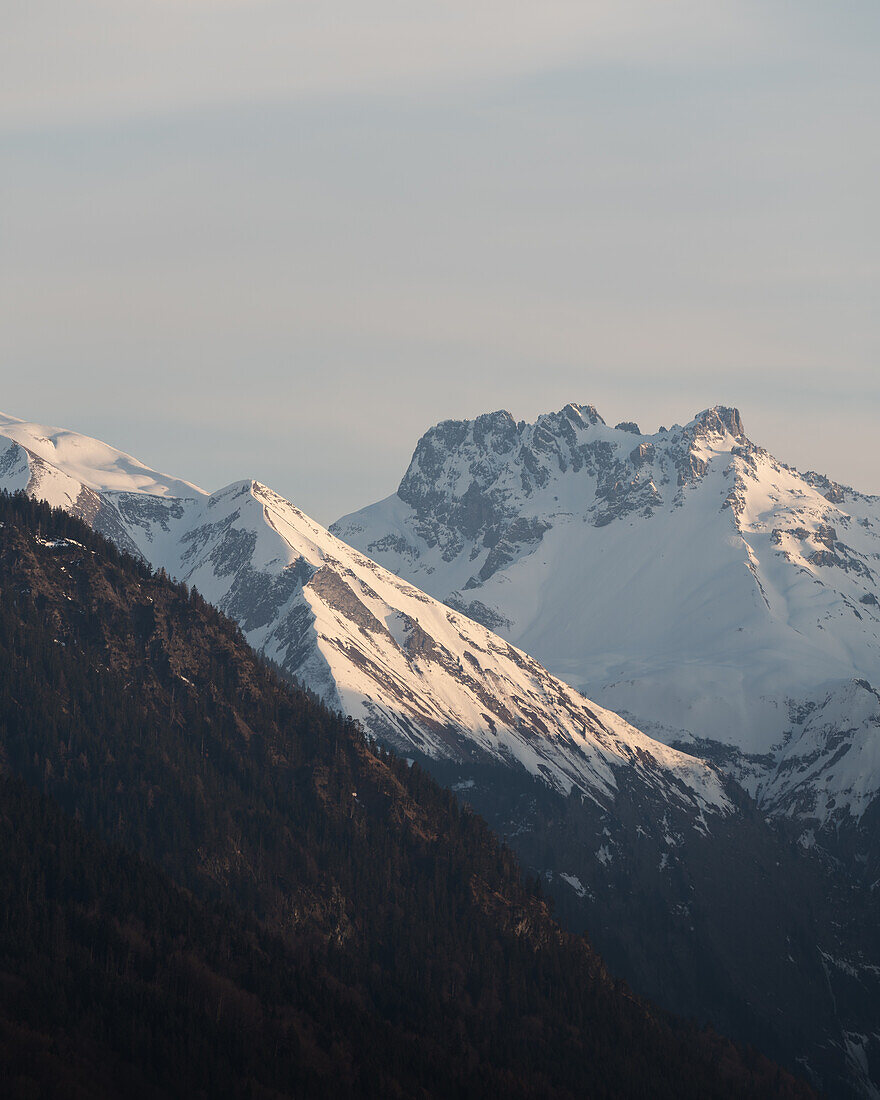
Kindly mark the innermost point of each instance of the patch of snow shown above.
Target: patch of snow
(575, 883)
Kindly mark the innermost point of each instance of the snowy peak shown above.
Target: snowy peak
(483, 493)
(474, 474)
(58, 461)
(719, 421)
(687, 578)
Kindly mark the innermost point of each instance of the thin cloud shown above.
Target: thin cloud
(104, 59)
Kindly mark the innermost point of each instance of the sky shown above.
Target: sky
(280, 238)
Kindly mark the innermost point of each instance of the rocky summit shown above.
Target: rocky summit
(688, 579)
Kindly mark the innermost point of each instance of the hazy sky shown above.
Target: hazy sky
(281, 239)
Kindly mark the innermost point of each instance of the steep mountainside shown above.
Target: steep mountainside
(344, 926)
(687, 579)
(117, 982)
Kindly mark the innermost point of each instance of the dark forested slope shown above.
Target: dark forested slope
(113, 980)
(222, 886)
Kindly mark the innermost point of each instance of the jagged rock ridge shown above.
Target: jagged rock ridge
(688, 579)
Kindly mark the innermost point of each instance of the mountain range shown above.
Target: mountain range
(415, 673)
(639, 565)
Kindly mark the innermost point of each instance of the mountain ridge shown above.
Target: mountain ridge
(687, 579)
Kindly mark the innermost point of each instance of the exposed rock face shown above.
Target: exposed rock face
(468, 482)
(720, 421)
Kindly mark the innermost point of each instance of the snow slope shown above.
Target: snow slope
(58, 465)
(416, 673)
(687, 578)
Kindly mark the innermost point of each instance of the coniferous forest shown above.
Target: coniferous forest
(211, 885)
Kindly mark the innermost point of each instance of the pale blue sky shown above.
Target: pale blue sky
(252, 238)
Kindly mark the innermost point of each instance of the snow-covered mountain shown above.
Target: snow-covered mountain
(687, 578)
(417, 674)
